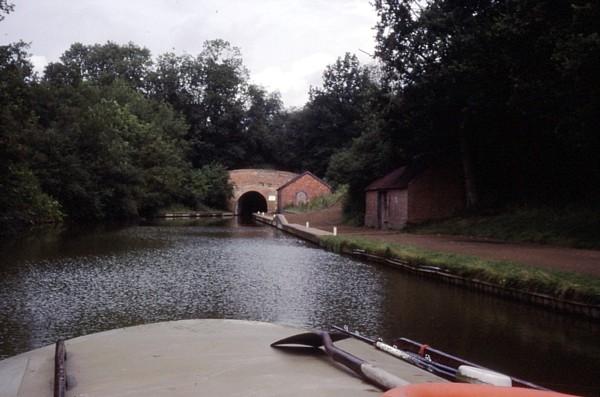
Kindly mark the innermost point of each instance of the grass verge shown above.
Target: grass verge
(321, 202)
(571, 227)
(562, 285)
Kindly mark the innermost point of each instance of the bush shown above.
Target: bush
(23, 203)
(209, 186)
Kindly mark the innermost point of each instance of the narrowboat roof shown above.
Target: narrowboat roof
(197, 357)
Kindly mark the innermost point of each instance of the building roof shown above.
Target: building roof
(399, 178)
(300, 176)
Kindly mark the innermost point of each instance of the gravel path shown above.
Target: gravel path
(558, 258)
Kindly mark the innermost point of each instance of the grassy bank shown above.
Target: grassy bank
(569, 286)
(320, 203)
(570, 227)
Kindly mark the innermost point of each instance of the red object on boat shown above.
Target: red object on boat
(441, 357)
(467, 390)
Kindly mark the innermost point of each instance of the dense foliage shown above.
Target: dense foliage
(5, 8)
(93, 139)
(510, 87)
(22, 199)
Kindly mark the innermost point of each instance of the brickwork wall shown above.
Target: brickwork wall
(394, 214)
(307, 184)
(435, 194)
(265, 182)
(397, 214)
(371, 209)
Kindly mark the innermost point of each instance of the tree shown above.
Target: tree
(336, 111)
(210, 90)
(217, 133)
(262, 123)
(425, 53)
(483, 79)
(97, 138)
(109, 152)
(370, 156)
(22, 201)
(209, 186)
(101, 64)
(5, 8)
(288, 140)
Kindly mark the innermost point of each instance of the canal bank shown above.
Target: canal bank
(195, 214)
(305, 232)
(559, 291)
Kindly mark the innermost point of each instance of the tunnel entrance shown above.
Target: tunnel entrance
(249, 203)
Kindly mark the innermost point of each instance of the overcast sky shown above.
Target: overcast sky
(286, 44)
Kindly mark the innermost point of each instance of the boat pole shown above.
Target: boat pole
(442, 370)
(367, 371)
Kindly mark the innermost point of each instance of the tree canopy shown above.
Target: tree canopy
(502, 82)
(5, 8)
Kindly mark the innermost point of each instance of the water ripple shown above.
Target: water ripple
(75, 283)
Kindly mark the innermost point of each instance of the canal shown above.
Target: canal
(71, 282)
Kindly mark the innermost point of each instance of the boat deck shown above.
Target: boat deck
(193, 358)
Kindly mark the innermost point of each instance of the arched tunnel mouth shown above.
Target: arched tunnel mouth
(249, 203)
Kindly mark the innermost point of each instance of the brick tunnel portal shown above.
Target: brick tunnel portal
(263, 183)
(251, 202)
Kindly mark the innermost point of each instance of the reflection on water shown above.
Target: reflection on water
(66, 283)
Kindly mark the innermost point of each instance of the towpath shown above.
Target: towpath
(551, 257)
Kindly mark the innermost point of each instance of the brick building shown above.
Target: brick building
(300, 190)
(415, 193)
(256, 189)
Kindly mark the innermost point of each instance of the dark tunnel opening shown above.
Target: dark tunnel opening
(251, 202)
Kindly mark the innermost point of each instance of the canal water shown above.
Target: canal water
(70, 282)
